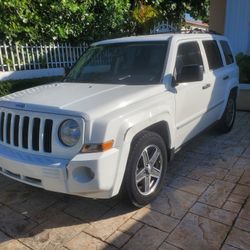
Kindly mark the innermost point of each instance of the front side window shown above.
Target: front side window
(123, 63)
(213, 54)
(227, 52)
(188, 54)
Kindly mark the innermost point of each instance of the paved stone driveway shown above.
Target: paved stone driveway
(205, 204)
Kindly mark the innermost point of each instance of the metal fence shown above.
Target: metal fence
(164, 27)
(14, 57)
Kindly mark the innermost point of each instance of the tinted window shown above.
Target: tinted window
(213, 54)
(188, 54)
(227, 52)
(121, 63)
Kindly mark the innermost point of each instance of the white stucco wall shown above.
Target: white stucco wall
(237, 25)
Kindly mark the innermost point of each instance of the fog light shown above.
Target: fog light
(83, 174)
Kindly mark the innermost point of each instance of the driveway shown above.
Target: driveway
(205, 204)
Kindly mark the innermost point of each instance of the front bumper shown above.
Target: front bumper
(89, 175)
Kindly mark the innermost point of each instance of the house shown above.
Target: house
(232, 18)
(193, 24)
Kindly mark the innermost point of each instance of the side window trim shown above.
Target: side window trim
(222, 51)
(204, 57)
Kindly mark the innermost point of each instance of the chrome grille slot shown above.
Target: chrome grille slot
(35, 134)
(8, 128)
(47, 135)
(16, 130)
(27, 132)
(2, 126)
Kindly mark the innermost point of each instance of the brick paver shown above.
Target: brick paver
(205, 204)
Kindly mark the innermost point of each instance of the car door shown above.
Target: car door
(217, 76)
(191, 97)
(230, 76)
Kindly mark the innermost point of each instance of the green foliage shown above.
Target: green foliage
(144, 16)
(174, 10)
(8, 87)
(144, 13)
(243, 62)
(148, 12)
(39, 21)
(62, 20)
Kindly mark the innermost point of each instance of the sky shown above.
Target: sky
(189, 18)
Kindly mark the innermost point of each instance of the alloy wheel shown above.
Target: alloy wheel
(149, 170)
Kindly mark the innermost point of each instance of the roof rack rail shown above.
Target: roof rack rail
(197, 31)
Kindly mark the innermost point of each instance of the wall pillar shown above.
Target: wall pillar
(217, 15)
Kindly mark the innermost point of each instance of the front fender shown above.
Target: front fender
(138, 124)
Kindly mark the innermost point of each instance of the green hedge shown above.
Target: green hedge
(243, 62)
(8, 87)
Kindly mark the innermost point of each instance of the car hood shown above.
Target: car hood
(84, 97)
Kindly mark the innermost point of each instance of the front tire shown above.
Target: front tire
(227, 120)
(146, 168)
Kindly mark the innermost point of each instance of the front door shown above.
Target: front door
(192, 97)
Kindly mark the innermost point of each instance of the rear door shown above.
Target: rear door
(230, 76)
(217, 77)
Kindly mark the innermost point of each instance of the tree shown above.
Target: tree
(144, 16)
(63, 20)
(172, 10)
(37, 21)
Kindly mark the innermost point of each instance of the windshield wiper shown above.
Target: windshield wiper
(124, 77)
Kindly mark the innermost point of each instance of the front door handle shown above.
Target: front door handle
(206, 86)
(225, 78)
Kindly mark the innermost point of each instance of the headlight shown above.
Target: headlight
(69, 132)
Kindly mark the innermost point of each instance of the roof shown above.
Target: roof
(156, 37)
(197, 23)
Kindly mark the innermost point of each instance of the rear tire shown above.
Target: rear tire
(146, 168)
(226, 122)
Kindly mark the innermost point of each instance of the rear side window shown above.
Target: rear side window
(188, 54)
(213, 54)
(227, 52)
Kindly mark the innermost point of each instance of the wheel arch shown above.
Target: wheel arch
(164, 127)
(234, 91)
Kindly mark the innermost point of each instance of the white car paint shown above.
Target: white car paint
(111, 112)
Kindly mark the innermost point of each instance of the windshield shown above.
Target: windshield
(123, 63)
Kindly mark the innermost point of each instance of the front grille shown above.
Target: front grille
(33, 133)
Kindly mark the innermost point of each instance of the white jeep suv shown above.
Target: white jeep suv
(118, 117)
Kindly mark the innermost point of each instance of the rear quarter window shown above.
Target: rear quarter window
(227, 52)
(213, 54)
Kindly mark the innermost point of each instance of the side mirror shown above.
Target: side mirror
(190, 73)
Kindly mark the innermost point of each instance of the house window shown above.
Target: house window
(227, 52)
(213, 54)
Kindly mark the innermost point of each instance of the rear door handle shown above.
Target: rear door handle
(206, 86)
(225, 78)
